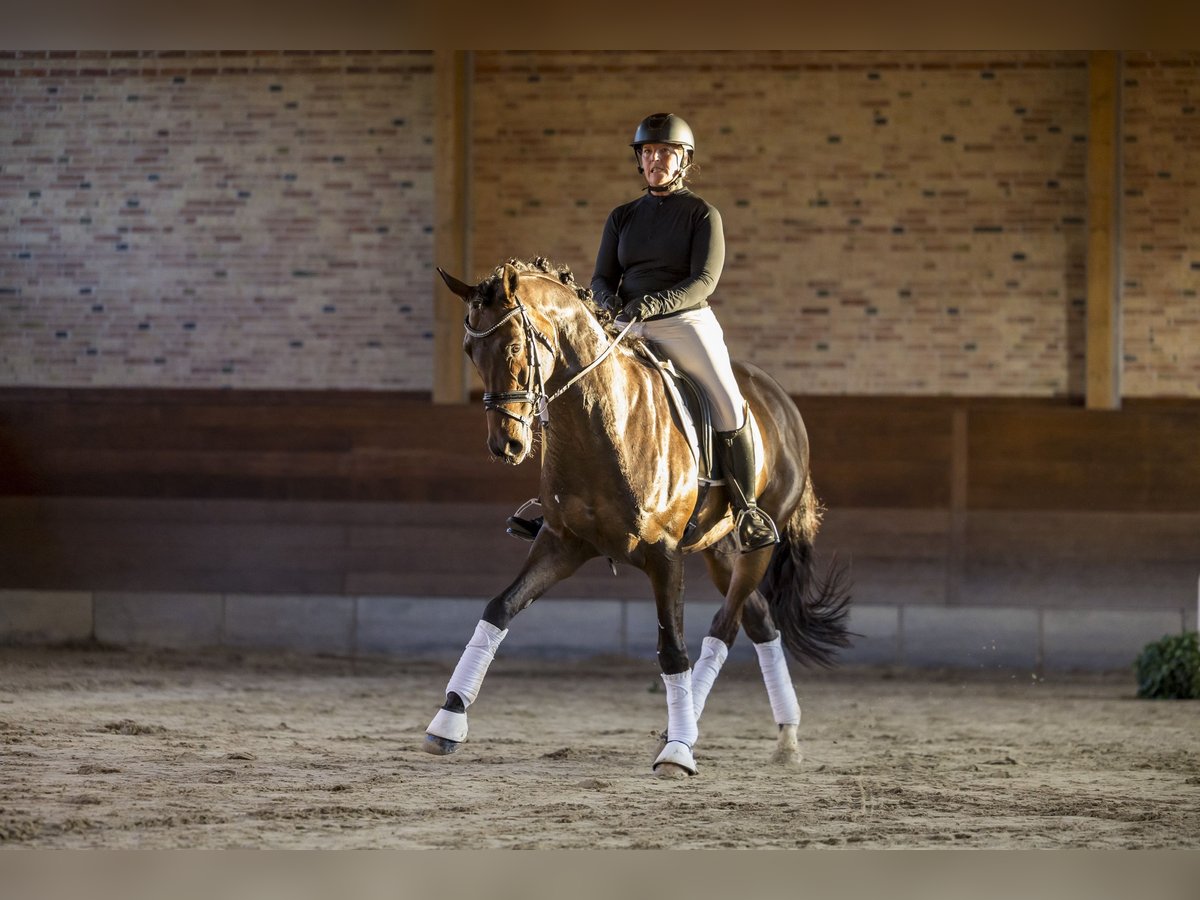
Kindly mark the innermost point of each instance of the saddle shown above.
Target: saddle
(692, 414)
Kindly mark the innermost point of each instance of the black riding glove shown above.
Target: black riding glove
(640, 309)
(607, 301)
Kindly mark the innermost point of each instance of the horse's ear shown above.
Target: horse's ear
(511, 277)
(463, 290)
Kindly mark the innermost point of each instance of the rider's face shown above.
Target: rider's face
(661, 163)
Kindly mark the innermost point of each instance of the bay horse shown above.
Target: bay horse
(619, 480)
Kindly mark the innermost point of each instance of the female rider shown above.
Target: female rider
(659, 261)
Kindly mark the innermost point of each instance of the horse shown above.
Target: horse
(620, 480)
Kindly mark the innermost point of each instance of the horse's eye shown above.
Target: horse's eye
(512, 350)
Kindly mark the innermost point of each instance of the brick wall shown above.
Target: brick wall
(208, 220)
(1162, 224)
(897, 223)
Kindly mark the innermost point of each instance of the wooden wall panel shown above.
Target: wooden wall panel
(871, 451)
(1145, 458)
(365, 446)
(896, 556)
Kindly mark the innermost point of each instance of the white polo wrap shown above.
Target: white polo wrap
(705, 671)
(473, 665)
(774, 667)
(681, 714)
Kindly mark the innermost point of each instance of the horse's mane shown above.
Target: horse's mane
(541, 265)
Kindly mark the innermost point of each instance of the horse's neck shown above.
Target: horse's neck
(614, 401)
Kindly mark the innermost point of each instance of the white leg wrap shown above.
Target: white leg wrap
(449, 725)
(705, 671)
(784, 704)
(473, 665)
(681, 714)
(679, 754)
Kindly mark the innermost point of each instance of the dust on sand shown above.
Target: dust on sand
(120, 749)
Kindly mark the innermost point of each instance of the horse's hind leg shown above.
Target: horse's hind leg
(737, 577)
(550, 560)
(773, 664)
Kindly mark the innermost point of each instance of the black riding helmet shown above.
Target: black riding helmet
(663, 128)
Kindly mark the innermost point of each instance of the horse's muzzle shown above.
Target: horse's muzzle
(511, 450)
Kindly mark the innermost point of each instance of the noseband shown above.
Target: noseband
(535, 393)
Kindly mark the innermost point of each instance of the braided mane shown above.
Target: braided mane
(542, 265)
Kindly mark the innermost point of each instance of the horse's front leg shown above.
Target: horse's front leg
(551, 559)
(666, 577)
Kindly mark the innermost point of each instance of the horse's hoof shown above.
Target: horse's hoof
(675, 761)
(788, 757)
(787, 749)
(440, 746)
(670, 770)
(448, 729)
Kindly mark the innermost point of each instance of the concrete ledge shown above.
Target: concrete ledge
(1103, 638)
(917, 635)
(179, 621)
(969, 638)
(415, 626)
(878, 630)
(45, 617)
(305, 624)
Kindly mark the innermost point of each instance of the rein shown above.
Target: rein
(535, 394)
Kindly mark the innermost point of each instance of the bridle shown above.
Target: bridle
(535, 392)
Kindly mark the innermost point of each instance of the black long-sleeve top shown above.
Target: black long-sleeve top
(670, 249)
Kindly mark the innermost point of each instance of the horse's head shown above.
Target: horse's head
(506, 340)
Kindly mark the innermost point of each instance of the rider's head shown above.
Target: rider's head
(663, 147)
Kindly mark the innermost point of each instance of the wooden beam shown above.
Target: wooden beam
(1103, 217)
(452, 73)
(956, 532)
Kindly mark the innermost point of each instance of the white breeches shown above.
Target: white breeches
(695, 343)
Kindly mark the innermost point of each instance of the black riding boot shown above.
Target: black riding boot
(525, 529)
(754, 528)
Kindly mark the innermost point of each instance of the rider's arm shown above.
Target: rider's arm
(606, 279)
(707, 261)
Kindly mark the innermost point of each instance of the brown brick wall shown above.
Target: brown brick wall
(1162, 224)
(898, 223)
(208, 220)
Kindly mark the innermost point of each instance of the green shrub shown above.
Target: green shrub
(1169, 669)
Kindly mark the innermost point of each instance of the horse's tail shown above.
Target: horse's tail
(809, 610)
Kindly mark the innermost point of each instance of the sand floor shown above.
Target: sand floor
(116, 749)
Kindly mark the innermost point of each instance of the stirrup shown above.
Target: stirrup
(522, 528)
(760, 530)
(525, 529)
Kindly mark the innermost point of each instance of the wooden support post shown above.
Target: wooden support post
(1104, 231)
(956, 535)
(452, 74)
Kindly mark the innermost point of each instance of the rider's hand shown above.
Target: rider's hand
(637, 309)
(610, 302)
